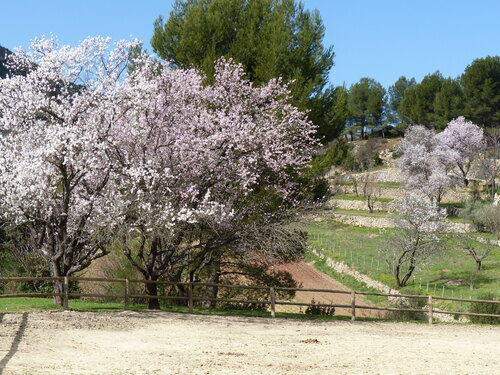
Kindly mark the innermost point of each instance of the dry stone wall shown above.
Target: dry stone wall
(346, 204)
(384, 222)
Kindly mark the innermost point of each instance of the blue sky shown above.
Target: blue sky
(381, 39)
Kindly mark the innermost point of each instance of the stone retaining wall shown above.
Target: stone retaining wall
(346, 204)
(384, 222)
(395, 193)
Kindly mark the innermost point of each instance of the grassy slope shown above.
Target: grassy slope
(358, 247)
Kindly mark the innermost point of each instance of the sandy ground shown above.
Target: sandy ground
(309, 277)
(144, 343)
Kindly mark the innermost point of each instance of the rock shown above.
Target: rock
(455, 282)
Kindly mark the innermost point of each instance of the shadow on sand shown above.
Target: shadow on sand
(15, 342)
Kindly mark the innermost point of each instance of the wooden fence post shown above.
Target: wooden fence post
(190, 297)
(429, 302)
(65, 292)
(127, 293)
(273, 302)
(353, 305)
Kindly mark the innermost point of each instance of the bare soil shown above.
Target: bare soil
(309, 277)
(146, 343)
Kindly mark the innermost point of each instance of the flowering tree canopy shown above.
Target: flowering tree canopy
(425, 162)
(427, 157)
(466, 140)
(54, 159)
(97, 140)
(191, 156)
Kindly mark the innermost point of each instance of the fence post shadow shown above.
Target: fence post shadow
(15, 342)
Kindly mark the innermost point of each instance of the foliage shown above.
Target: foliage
(338, 113)
(314, 309)
(270, 38)
(417, 105)
(452, 208)
(448, 103)
(255, 273)
(338, 154)
(427, 157)
(366, 103)
(366, 155)
(485, 308)
(484, 215)
(396, 94)
(489, 168)
(5, 68)
(481, 86)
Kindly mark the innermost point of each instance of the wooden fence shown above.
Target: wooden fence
(271, 302)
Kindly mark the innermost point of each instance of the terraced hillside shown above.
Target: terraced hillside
(349, 235)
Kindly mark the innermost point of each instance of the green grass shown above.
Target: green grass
(31, 304)
(24, 304)
(358, 247)
(395, 185)
(347, 280)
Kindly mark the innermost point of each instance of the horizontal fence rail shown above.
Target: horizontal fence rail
(271, 302)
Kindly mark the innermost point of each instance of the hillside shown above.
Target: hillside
(346, 238)
(4, 52)
(4, 71)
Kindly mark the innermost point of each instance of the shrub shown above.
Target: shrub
(320, 190)
(452, 208)
(484, 215)
(485, 308)
(410, 303)
(314, 309)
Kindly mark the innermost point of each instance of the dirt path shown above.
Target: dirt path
(310, 277)
(147, 343)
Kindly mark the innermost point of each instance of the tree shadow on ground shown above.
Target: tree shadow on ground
(15, 342)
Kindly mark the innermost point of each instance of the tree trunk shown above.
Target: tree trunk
(58, 285)
(464, 175)
(58, 288)
(402, 282)
(214, 276)
(152, 290)
(478, 265)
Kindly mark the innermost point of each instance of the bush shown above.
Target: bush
(452, 208)
(410, 303)
(485, 308)
(484, 215)
(339, 154)
(320, 190)
(314, 309)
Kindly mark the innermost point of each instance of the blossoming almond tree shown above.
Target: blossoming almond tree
(54, 158)
(417, 220)
(425, 162)
(191, 157)
(466, 140)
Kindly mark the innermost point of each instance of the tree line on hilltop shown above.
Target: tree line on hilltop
(280, 38)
